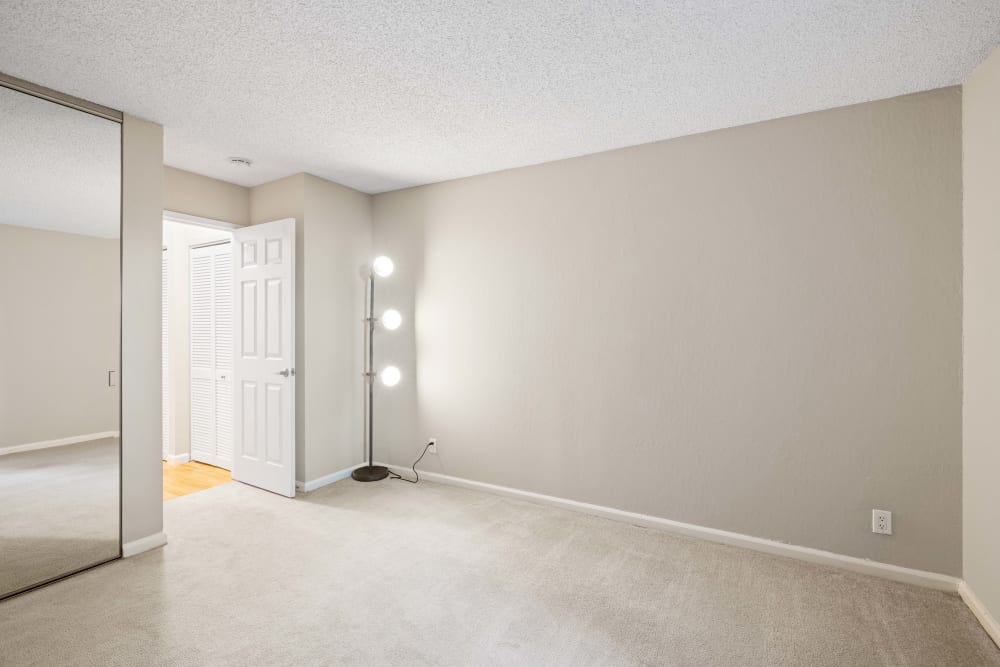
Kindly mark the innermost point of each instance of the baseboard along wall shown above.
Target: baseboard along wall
(314, 484)
(922, 578)
(982, 614)
(58, 442)
(143, 544)
(905, 575)
(177, 459)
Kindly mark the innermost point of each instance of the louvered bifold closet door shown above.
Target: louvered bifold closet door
(212, 355)
(202, 355)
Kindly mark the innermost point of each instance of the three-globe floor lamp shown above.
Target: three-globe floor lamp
(391, 319)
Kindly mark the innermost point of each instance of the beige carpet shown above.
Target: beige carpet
(58, 511)
(396, 574)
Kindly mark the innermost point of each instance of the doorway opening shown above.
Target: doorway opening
(197, 353)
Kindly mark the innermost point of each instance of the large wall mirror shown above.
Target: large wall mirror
(60, 263)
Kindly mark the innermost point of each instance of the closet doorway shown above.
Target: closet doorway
(197, 337)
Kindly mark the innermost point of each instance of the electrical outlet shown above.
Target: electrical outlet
(882, 522)
(433, 449)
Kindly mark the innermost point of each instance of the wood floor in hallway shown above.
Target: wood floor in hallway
(180, 480)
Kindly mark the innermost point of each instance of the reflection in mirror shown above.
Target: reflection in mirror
(60, 179)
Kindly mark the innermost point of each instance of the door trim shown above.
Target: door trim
(174, 216)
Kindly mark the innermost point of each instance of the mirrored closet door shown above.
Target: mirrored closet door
(60, 250)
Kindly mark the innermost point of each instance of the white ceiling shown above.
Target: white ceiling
(380, 95)
(60, 169)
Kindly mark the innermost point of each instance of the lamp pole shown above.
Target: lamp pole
(370, 472)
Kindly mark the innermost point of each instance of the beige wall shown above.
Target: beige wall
(142, 232)
(194, 194)
(333, 241)
(59, 305)
(756, 329)
(178, 239)
(981, 414)
(336, 244)
(333, 236)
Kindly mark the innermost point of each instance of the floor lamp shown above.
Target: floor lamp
(391, 319)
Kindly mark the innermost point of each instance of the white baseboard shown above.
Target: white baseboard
(143, 544)
(982, 614)
(862, 565)
(58, 442)
(314, 484)
(177, 459)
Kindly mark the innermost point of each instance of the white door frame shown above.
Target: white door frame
(198, 221)
(173, 216)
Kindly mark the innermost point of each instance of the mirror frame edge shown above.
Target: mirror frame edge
(115, 116)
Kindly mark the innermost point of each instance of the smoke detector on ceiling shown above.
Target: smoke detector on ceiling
(240, 161)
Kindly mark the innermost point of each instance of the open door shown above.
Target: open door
(264, 356)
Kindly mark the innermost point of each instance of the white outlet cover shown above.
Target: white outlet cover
(882, 522)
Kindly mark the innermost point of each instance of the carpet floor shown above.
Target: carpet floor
(395, 574)
(58, 511)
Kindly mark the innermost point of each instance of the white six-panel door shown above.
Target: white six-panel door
(264, 360)
(212, 355)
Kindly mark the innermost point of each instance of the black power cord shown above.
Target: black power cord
(413, 468)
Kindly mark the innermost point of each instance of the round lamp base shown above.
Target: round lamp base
(370, 473)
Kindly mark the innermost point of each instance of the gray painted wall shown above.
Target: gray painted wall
(194, 194)
(142, 238)
(756, 329)
(59, 311)
(336, 243)
(981, 455)
(333, 241)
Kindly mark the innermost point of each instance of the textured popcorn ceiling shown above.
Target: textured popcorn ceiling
(381, 95)
(60, 169)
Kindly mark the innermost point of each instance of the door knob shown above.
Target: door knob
(286, 372)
